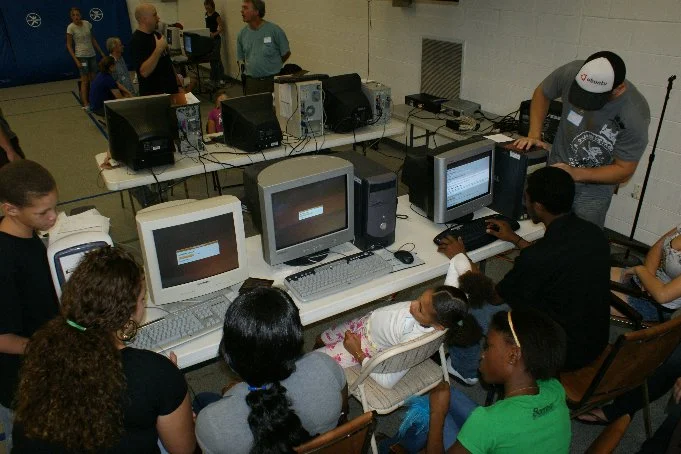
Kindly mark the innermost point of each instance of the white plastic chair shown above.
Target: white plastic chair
(424, 374)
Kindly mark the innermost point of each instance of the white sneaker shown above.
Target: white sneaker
(454, 372)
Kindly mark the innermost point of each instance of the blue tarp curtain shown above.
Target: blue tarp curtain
(33, 37)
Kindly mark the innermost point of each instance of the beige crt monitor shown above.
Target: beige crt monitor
(192, 247)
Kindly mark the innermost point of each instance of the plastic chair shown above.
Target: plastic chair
(423, 375)
(353, 437)
(622, 366)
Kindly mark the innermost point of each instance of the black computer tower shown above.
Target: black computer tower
(510, 172)
(375, 202)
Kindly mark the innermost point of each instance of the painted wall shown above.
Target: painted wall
(510, 46)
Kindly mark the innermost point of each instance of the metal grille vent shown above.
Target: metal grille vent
(441, 63)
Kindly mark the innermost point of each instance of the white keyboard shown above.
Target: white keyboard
(183, 325)
(336, 276)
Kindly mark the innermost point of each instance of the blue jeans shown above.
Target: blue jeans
(7, 420)
(202, 400)
(465, 360)
(415, 438)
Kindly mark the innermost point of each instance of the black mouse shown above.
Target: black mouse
(404, 256)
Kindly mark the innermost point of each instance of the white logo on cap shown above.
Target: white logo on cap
(596, 76)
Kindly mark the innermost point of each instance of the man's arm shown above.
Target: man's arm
(149, 65)
(285, 56)
(617, 172)
(6, 145)
(538, 110)
(13, 344)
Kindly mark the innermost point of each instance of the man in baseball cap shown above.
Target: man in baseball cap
(603, 130)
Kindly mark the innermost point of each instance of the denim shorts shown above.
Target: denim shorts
(643, 306)
(88, 65)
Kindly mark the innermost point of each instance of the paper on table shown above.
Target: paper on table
(499, 138)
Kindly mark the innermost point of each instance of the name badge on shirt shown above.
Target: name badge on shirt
(267, 40)
(574, 118)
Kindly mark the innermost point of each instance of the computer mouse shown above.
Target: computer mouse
(405, 257)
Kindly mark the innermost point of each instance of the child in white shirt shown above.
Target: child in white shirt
(446, 306)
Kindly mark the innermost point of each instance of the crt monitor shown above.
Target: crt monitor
(141, 130)
(250, 123)
(451, 182)
(197, 46)
(192, 247)
(306, 206)
(345, 104)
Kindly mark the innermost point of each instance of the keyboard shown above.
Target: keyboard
(291, 79)
(183, 325)
(336, 276)
(474, 233)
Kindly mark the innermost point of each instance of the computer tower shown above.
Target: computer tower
(345, 105)
(189, 133)
(380, 101)
(300, 108)
(510, 172)
(375, 202)
(550, 126)
(250, 123)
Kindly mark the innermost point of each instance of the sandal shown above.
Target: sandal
(593, 418)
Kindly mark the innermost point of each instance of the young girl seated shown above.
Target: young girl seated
(660, 276)
(446, 306)
(523, 353)
(215, 116)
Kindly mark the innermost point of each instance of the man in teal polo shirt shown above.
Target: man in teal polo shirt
(262, 46)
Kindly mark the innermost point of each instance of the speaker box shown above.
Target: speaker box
(375, 202)
(510, 172)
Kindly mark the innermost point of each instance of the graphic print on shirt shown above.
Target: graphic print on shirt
(590, 149)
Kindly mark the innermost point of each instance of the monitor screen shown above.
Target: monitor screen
(187, 43)
(468, 179)
(192, 247)
(196, 250)
(310, 211)
(306, 205)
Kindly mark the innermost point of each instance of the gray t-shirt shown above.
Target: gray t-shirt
(595, 138)
(82, 39)
(262, 49)
(314, 390)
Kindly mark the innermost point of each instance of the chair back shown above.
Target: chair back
(633, 358)
(353, 437)
(403, 356)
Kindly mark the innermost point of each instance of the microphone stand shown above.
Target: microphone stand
(625, 260)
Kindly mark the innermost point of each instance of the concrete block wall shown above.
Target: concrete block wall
(509, 47)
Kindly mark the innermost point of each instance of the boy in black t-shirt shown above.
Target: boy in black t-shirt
(28, 197)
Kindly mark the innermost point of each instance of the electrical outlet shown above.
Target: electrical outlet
(636, 194)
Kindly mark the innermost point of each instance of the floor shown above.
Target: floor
(55, 131)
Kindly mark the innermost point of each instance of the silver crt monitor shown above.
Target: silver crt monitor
(307, 206)
(463, 180)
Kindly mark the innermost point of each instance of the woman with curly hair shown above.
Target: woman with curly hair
(285, 397)
(82, 390)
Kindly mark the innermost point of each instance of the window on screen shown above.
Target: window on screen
(309, 211)
(196, 250)
(468, 180)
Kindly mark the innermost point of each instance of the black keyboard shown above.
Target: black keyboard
(474, 233)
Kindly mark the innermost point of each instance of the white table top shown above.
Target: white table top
(416, 229)
(219, 156)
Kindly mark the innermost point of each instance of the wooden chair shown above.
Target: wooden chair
(621, 367)
(611, 436)
(353, 437)
(424, 374)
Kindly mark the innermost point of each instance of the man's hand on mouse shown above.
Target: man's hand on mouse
(451, 246)
(502, 230)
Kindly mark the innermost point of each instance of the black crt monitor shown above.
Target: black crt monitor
(250, 123)
(199, 45)
(449, 183)
(141, 130)
(345, 104)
